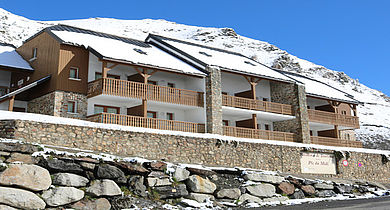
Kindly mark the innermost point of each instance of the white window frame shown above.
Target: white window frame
(77, 73)
(34, 54)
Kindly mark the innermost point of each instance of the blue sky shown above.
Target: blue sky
(348, 36)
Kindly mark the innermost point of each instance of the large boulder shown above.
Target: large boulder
(62, 195)
(154, 182)
(298, 195)
(30, 177)
(18, 147)
(202, 172)
(156, 165)
(308, 190)
(21, 199)
(325, 193)
(132, 168)
(343, 189)
(57, 165)
(99, 204)
(323, 186)
(136, 185)
(104, 187)
(106, 171)
(200, 185)
(181, 174)
(261, 190)
(275, 199)
(233, 193)
(69, 180)
(249, 198)
(273, 179)
(171, 191)
(201, 198)
(5, 207)
(286, 188)
(23, 158)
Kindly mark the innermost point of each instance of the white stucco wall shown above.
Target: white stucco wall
(233, 83)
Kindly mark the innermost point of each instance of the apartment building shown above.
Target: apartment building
(170, 84)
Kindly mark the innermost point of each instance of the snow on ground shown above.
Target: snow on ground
(6, 115)
(375, 110)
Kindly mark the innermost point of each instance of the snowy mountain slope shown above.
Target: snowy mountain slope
(374, 113)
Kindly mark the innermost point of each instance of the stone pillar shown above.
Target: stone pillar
(294, 95)
(214, 101)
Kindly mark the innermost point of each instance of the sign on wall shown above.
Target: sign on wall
(318, 163)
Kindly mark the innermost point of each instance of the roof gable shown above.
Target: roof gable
(10, 59)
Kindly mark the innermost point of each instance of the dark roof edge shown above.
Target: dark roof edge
(184, 54)
(195, 44)
(11, 68)
(298, 75)
(7, 44)
(27, 87)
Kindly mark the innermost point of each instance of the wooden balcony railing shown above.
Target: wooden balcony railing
(4, 90)
(257, 134)
(333, 118)
(131, 89)
(335, 142)
(252, 104)
(143, 122)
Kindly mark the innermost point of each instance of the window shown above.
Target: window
(34, 54)
(224, 93)
(151, 82)
(267, 127)
(152, 114)
(247, 62)
(225, 122)
(265, 99)
(72, 107)
(98, 75)
(106, 109)
(204, 53)
(343, 112)
(74, 73)
(140, 51)
(172, 85)
(170, 116)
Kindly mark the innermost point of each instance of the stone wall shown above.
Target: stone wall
(206, 151)
(214, 101)
(32, 177)
(56, 104)
(294, 95)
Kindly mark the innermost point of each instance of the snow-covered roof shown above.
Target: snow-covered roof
(9, 58)
(322, 90)
(201, 56)
(117, 48)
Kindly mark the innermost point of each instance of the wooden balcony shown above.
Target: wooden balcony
(138, 90)
(335, 142)
(333, 118)
(135, 121)
(257, 134)
(252, 104)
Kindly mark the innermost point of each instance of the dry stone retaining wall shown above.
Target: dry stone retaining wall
(53, 179)
(181, 149)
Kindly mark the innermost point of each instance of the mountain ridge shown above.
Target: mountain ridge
(374, 112)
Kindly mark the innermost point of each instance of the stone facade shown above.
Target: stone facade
(194, 150)
(214, 101)
(294, 95)
(348, 135)
(56, 104)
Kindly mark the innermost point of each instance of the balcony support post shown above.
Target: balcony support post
(254, 119)
(11, 104)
